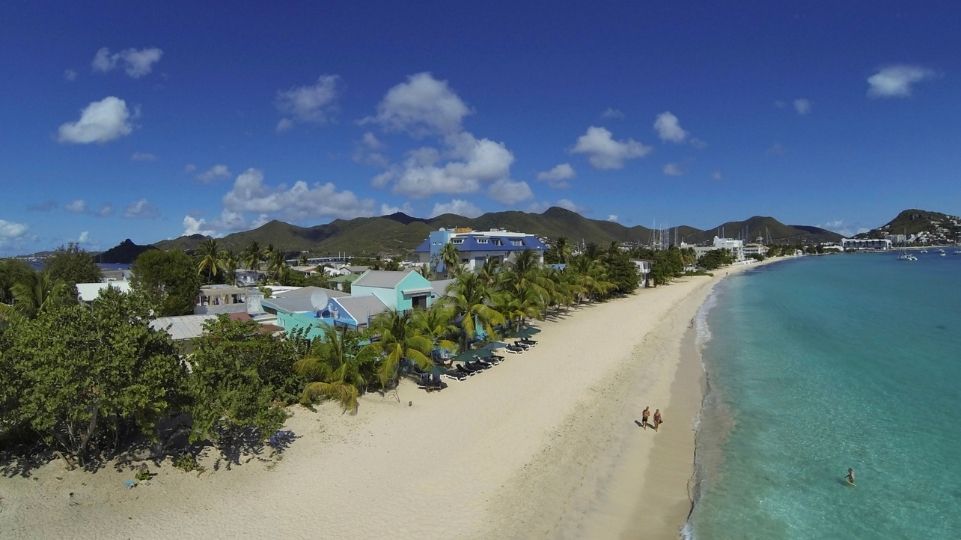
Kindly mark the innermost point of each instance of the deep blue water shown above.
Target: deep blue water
(824, 363)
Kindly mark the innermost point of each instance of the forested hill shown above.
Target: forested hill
(399, 233)
(925, 226)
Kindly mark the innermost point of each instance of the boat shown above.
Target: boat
(924, 251)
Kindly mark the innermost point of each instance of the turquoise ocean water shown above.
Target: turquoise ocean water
(824, 363)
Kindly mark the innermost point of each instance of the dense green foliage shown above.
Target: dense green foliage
(72, 265)
(168, 280)
(12, 271)
(240, 379)
(80, 377)
(716, 258)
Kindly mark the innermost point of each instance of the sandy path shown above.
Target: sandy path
(537, 446)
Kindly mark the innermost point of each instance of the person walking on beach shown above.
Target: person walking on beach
(850, 476)
(644, 416)
(657, 419)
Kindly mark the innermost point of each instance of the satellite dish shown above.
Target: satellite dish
(319, 300)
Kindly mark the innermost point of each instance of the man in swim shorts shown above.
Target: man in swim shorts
(850, 476)
(644, 416)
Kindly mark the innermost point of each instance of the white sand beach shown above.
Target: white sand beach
(542, 446)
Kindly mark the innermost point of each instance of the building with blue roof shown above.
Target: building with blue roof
(477, 247)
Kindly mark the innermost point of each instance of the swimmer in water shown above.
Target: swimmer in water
(850, 476)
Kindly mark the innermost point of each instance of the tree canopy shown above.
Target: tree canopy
(71, 265)
(168, 281)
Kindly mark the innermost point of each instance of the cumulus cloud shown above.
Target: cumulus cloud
(369, 151)
(668, 128)
(673, 169)
(141, 208)
(716, 175)
(194, 226)
(136, 62)
(10, 230)
(456, 206)
(105, 210)
(143, 156)
(69, 75)
(509, 191)
(802, 106)
(84, 237)
(99, 122)
(77, 206)
(897, 80)
(612, 217)
(843, 228)
(604, 152)
(420, 106)
(386, 209)
(558, 176)
(311, 103)
(302, 200)
(611, 113)
(215, 172)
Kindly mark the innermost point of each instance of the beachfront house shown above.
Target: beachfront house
(477, 247)
(399, 290)
(301, 308)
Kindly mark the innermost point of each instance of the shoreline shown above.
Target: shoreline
(534, 447)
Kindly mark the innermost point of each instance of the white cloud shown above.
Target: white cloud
(716, 175)
(10, 230)
(669, 128)
(105, 210)
(897, 80)
(312, 103)
(843, 228)
(69, 74)
(673, 169)
(558, 176)
(420, 106)
(509, 191)
(136, 63)
(99, 122)
(189, 168)
(300, 201)
(802, 106)
(386, 209)
(567, 204)
(143, 156)
(612, 114)
(77, 206)
(84, 237)
(214, 173)
(194, 225)
(606, 153)
(141, 208)
(368, 151)
(612, 217)
(698, 143)
(456, 206)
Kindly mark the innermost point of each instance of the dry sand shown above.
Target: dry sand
(543, 445)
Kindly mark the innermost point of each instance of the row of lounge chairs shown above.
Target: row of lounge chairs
(520, 345)
(470, 368)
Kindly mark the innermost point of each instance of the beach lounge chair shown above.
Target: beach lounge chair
(465, 370)
(487, 359)
(528, 341)
(514, 349)
(521, 345)
(455, 374)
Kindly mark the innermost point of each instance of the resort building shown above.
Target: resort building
(755, 249)
(643, 270)
(736, 247)
(88, 292)
(858, 244)
(398, 290)
(477, 247)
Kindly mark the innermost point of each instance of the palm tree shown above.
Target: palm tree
(251, 256)
(277, 266)
(451, 259)
(528, 282)
(209, 259)
(488, 272)
(303, 259)
(398, 339)
(37, 291)
(229, 262)
(436, 324)
(333, 368)
(469, 297)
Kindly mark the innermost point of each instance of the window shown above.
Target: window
(517, 242)
(456, 240)
(498, 242)
(482, 240)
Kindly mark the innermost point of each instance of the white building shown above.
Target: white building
(872, 244)
(755, 249)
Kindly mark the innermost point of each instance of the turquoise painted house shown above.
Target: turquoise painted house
(400, 290)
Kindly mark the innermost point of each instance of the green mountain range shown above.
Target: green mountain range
(398, 234)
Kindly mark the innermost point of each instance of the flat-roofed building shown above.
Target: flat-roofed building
(477, 247)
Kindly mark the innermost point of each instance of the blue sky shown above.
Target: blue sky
(149, 122)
